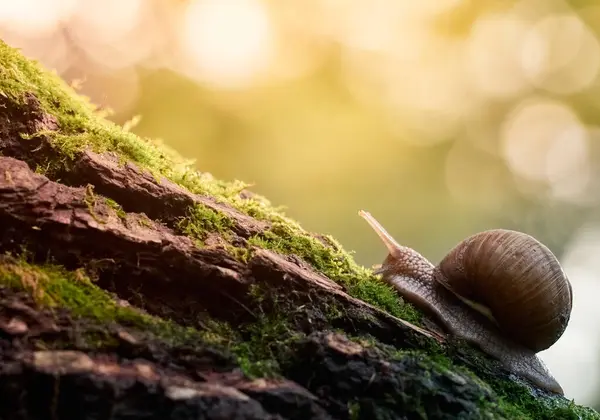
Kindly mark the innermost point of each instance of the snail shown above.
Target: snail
(499, 289)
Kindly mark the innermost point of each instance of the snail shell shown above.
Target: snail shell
(515, 281)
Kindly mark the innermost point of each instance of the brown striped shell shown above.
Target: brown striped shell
(514, 280)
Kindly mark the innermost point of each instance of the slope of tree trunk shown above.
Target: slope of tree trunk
(134, 286)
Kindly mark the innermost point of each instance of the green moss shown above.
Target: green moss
(514, 398)
(242, 254)
(260, 208)
(116, 207)
(267, 341)
(201, 220)
(54, 287)
(266, 344)
(518, 402)
(144, 220)
(336, 264)
(354, 410)
(90, 201)
(257, 345)
(511, 398)
(334, 311)
(42, 169)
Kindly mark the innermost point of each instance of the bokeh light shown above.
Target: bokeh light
(228, 41)
(493, 57)
(106, 31)
(545, 141)
(35, 17)
(561, 54)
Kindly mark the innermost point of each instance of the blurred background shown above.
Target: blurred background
(441, 117)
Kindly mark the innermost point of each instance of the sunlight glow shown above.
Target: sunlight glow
(544, 141)
(493, 55)
(380, 25)
(105, 28)
(567, 164)
(475, 177)
(108, 20)
(32, 17)
(52, 50)
(229, 41)
(561, 54)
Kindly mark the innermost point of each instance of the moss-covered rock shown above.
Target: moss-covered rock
(132, 284)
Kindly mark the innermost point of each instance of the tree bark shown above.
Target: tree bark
(127, 290)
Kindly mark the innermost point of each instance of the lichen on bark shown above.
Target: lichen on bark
(130, 282)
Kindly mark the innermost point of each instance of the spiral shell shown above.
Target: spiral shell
(515, 281)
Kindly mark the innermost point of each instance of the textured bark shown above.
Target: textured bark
(56, 363)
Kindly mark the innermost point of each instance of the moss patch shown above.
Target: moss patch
(201, 220)
(518, 401)
(54, 287)
(90, 201)
(513, 399)
(241, 254)
(116, 207)
(336, 264)
(255, 345)
(268, 339)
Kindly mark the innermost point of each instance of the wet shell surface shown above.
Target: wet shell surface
(517, 278)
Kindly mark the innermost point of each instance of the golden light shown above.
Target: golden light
(567, 164)
(51, 50)
(493, 55)
(424, 88)
(561, 54)
(433, 92)
(105, 30)
(34, 17)
(117, 89)
(381, 25)
(369, 24)
(392, 55)
(427, 8)
(544, 141)
(107, 20)
(228, 41)
(475, 177)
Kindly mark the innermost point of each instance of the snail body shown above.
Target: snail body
(500, 290)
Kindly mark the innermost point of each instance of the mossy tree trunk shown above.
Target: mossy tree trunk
(132, 285)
